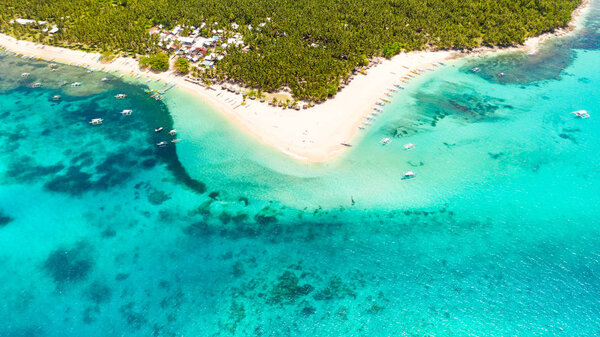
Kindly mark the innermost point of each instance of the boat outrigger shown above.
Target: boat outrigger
(96, 121)
(581, 114)
(126, 112)
(158, 94)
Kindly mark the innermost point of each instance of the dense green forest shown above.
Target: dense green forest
(307, 45)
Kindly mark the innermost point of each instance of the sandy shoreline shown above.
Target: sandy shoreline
(314, 134)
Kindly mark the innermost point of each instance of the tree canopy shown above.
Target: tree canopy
(306, 45)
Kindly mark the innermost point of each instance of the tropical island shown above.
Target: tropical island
(292, 55)
(308, 46)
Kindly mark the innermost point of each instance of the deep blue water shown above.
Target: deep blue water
(104, 234)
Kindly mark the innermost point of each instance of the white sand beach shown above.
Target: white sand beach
(313, 134)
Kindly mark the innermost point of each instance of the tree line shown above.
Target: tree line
(306, 45)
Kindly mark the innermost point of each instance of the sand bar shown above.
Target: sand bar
(315, 134)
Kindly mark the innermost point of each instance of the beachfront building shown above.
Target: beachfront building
(200, 45)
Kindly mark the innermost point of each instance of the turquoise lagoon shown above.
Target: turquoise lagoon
(104, 234)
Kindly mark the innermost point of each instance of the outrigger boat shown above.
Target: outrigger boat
(409, 146)
(96, 121)
(120, 96)
(408, 175)
(158, 129)
(126, 112)
(581, 114)
(385, 141)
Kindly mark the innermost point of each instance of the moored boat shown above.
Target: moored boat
(120, 96)
(56, 98)
(96, 121)
(162, 144)
(408, 175)
(36, 85)
(409, 146)
(126, 112)
(581, 114)
(385, 141)
(158, 129)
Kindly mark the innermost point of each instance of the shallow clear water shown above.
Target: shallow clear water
(104, 234)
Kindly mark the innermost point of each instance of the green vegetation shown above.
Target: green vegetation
(182, 65)
(306, 45)
(158, 62)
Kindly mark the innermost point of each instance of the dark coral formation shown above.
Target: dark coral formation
(69, 265)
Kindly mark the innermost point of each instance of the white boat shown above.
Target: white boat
(158, 129)
(409, 175)
(378, 109)
(36, 85)
(120, 96)
(56, 98)
(96, 121)
(126, 112)
(476, 70)
(104, 79)
(173, 132)
(380, 103)
(76, 84)
(385, 141)
(581, 114)
(409, 146)
(25, 74)
(176, 140)
(162, 144)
